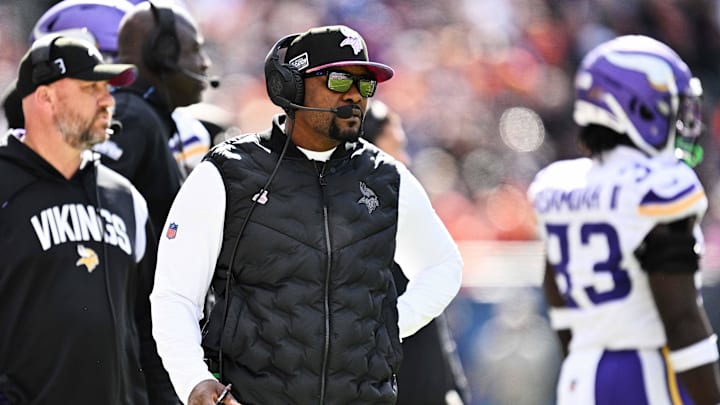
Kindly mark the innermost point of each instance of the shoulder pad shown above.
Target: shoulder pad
(672, 191)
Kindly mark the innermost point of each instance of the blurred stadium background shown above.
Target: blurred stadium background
(484, 88)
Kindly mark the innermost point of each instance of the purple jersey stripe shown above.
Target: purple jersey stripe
(190, 140)
(652, 198)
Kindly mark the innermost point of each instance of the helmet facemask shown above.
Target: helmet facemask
(689, 126)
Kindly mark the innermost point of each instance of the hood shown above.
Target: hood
(21, 166)
(17, 153)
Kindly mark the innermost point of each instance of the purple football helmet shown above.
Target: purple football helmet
(638, 86)
(95, 20)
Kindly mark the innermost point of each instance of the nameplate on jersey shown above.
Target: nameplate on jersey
(568, 200)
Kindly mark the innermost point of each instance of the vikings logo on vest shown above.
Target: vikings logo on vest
(88, 258)
(369, 198)
(172, 230)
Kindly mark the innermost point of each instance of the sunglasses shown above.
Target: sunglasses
(341, 82)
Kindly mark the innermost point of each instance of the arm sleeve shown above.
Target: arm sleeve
(428, 256)
(159, 389)
(185, 266)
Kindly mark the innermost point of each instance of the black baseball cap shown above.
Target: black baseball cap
(335, 45)
(54, 57)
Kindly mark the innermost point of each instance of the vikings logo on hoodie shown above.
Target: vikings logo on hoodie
(88, 258)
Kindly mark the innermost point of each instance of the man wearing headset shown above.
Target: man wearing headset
(165, 44)
(95, 21)
(154, 133)
(295, 230)
(77, 250)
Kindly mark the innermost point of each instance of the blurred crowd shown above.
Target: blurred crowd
(484, 88)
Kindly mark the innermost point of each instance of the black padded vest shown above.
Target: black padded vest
(311, 315)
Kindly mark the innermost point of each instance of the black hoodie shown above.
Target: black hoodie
(74, 313)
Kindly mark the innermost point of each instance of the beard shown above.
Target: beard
(78, 132)
(350, 134)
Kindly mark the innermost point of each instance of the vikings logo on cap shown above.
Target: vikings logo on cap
(333, 46)
(352, 38)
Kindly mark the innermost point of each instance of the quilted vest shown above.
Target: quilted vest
(308, 315)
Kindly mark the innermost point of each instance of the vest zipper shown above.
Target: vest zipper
(326, 292)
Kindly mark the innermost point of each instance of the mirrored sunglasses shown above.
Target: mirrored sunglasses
(341, 82)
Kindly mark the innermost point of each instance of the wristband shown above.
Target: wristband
(695, 355)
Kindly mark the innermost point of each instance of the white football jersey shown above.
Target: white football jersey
(593, 214)
(193, 143)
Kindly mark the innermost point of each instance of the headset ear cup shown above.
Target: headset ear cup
(161, 51)
(274, 82)
(43, 69)
(44, 72)
(284, 82)
(164, 53)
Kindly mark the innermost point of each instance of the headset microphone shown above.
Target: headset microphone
(345, 111)
(115, 128)
(213, 81)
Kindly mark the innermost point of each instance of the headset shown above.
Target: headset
(43, 69)
(161, 51)
(284, 82)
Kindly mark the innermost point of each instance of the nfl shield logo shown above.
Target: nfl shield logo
(172, 231)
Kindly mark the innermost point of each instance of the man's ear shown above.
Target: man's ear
(40, 94)
(44, 95)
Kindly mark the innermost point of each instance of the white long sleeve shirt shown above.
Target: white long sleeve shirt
(425, 251)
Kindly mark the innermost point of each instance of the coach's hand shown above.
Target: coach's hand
(207, 392)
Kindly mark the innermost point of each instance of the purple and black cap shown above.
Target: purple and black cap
(333, 46)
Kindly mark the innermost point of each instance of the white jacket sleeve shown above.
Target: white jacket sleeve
(427, 255)
(187, 253)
